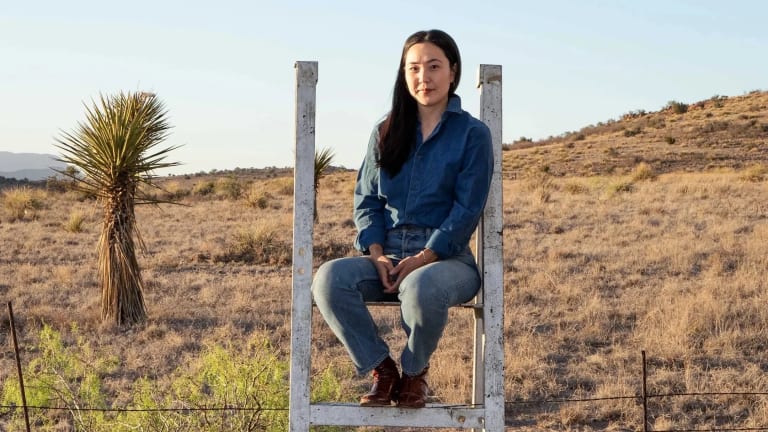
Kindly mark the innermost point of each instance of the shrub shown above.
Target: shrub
(621, 186)
(643, 171)
(632, 132)
(75, 222)
(259, 245)
(245, 389)
(62, 376)
(677, 107)
(540, 183)
(255, 196)
(23, 202)
(203, 188)
(174, 190)
(670, 140)
(754, 173)
(575, 188)
(228, 187)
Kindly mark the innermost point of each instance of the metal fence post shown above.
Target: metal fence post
(645, 396)
(18, 366)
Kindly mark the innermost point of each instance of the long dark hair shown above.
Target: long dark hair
(397, 132)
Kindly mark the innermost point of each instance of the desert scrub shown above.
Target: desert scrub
(245, 389)
(541, 184)
(228, 187)
(203, 188)
(75, 222)
(63, 375)
(23, 202)
(255, 196)
(754, 173)
(643, 171)
(174, 190)
(574, 187)
(620, 186)
(258, 245)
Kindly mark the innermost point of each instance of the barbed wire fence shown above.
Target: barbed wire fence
(641, 399)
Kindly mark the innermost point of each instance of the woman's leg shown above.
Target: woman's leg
(425, 296)
(340, 289)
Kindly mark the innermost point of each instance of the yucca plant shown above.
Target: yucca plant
(323, 161)
(116, 151)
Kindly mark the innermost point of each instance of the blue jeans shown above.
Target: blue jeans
(342, 286)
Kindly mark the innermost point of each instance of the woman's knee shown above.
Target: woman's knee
(337, 274)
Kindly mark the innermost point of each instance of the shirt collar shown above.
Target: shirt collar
(454, 104)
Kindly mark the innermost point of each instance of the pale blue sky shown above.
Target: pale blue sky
(225, 69)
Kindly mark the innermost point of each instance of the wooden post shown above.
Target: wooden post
(303, 205)
(488, 387)
(488, 411)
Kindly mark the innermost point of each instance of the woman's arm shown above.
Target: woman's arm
(470, 194)
(369, 205)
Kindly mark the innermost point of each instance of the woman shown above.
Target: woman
(418, 198)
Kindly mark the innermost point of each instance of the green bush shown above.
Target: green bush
(62, 376)
(226, 389)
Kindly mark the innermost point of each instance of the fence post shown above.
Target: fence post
(645, 395)
(18, 365)
(303, 206)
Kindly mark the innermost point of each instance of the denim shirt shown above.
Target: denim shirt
(442, 185)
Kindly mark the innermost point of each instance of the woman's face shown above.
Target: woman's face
(428, 74)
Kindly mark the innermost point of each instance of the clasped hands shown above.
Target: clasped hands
(391, 275)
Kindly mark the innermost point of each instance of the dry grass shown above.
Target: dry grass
(598, 269)
(720, 132)
(675, 266)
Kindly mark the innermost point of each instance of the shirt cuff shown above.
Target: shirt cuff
(368, 236)
(442, 244)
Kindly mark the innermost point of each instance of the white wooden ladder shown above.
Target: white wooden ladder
(486, 412)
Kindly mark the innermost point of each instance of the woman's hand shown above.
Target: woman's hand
(383, 266)
(409, 264)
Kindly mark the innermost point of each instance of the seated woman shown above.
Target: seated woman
(419, 195)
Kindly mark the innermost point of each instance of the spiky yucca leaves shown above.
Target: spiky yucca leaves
(323, 161)
(115, 148)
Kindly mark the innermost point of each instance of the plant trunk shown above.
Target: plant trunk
(122, 288)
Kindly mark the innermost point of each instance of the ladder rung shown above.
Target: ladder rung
(433, 415)
(394, 303)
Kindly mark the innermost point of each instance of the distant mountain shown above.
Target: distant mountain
(31, 166)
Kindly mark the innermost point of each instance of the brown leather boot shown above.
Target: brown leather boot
(413, 390)
(386, 380)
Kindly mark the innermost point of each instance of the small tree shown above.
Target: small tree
(115, 149)
(323, 161)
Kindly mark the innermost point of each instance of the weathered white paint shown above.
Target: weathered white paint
(449, 416)
(490, 330)
(487, 411)
(303, 205)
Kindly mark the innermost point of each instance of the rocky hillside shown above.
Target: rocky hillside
(720, 132)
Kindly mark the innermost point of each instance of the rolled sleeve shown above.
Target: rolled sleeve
(369, 205)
